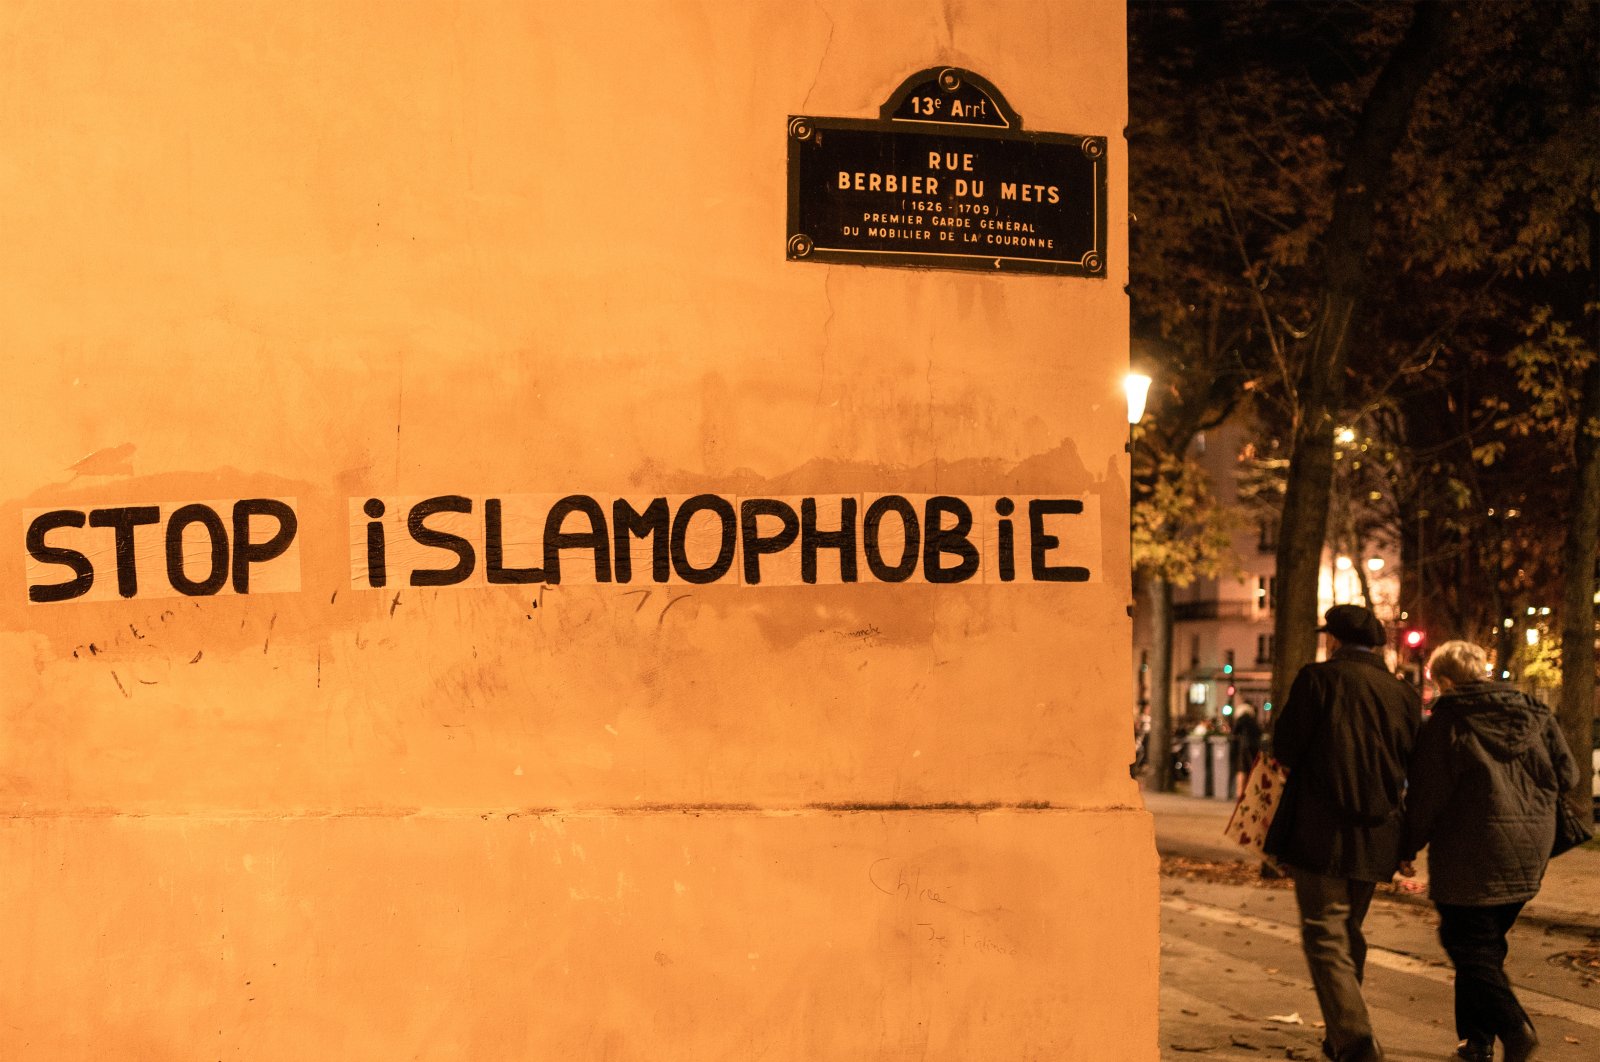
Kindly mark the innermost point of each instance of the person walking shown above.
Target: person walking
(1489, 767)
(1246, 734)
(1345, 733)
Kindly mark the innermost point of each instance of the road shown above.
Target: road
(1234, 984)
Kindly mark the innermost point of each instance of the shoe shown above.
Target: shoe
(1521, 1044)
(1468, 1051)
(1365, 1049)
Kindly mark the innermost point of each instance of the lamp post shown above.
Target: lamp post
(1156, 680)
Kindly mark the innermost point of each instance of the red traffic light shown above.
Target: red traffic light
(1415, 638)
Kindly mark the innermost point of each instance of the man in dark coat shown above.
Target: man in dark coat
(1346, 733)
(1489, 767)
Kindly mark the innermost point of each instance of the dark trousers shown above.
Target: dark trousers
(1331, 913)
(1475, 938)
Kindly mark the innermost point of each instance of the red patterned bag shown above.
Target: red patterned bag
(1258, 801)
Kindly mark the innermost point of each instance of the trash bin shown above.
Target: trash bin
(1221, 767)
(1199, 768)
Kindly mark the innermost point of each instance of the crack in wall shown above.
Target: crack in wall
(805, 105)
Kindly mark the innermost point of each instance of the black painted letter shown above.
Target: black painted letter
(843, 540)
(756, 544)
(722, 509)
(246, 552)
(651, 523)
(940, 540)
(870, 524)
(466, 558)
(494, 551)
(177, 575)
(596, 538)
(377, 555)
(82, 571)
(1008, 541)
(124, 521)
(1043, 543)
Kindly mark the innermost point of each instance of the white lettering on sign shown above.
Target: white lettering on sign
(1030, 193)
(905, 184)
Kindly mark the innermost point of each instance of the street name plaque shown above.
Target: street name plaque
(946, 178)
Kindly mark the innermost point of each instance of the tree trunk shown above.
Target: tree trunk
(1159, 741)
(1358, 551)
(1505, 638)
(1302, 531)
(1320, 389)
(1577, 706)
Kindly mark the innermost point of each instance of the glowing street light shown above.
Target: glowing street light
(1136, 385)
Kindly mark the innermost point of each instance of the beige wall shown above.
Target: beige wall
(322, 252)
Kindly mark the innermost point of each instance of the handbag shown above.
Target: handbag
(1571, 830)
(1258, 802)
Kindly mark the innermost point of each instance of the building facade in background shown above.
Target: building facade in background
(1222, 631)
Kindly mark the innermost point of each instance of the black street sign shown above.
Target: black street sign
(946, 179)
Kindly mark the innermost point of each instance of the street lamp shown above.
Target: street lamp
(1136, 385)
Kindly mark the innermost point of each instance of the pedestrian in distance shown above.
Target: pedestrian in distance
(1246, 734)
(1489, 767)
(1345, 733)
(1141, 745)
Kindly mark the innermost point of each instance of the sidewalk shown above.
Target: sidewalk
(1192, 827)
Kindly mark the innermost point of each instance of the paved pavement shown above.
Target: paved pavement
(1190, 826)
(1234, 985)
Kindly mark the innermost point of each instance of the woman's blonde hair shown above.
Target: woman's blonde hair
(1460, 662)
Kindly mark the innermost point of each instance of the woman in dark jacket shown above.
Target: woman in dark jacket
(1488, 769)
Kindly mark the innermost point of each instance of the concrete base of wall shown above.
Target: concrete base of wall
(697, 934)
